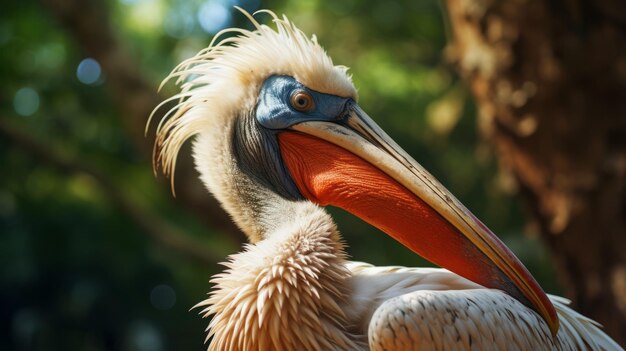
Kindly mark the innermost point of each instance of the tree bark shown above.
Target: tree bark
(549, 79)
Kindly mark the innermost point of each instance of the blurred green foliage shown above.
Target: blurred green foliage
(78, 274)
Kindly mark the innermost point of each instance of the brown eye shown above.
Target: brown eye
(302, 101)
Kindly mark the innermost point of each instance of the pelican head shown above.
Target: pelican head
(276, 124)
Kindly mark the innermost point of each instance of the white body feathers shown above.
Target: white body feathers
(435, 309)
(295, 291)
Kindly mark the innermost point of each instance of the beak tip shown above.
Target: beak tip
(552, 319)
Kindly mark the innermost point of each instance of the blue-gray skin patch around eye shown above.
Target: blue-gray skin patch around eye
(274, 110)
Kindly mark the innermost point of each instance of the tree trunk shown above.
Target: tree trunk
(549, 79)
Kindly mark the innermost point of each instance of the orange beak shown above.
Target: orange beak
(356, 166)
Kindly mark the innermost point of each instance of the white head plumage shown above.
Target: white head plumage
(225, 78)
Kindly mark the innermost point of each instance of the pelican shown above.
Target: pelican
(278, 134)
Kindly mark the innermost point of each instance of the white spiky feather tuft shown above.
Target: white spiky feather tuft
(224, 79)
(284, 292)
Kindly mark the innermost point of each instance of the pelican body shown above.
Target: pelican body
(278, 134)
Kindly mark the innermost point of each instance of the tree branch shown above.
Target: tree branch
(160, 231)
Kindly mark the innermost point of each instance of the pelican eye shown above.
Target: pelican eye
(302, 101)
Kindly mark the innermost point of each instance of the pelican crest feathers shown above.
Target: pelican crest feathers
(225, 77)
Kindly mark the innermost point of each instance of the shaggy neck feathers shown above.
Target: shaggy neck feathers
(284, 292)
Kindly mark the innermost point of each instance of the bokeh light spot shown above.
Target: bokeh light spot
(50, 57)
(145, 337)
(88, 71)
(145, 16)
(178, 24)
(163, 297)
(214, 16)
(26, 101)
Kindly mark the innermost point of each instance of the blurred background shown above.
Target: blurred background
(97, 254)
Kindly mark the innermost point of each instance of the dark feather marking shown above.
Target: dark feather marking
(258, 156)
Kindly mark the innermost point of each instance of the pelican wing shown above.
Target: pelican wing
(434, 309)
